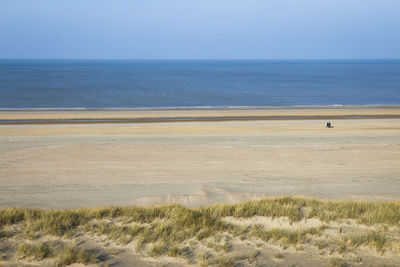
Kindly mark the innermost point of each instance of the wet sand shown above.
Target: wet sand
(56, 165)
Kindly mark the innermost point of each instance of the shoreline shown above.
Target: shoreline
(11, 117)
(194, 119)
(222, 107)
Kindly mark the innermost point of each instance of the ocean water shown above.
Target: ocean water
(107, 84)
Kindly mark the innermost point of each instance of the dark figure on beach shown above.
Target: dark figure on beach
(329, 125)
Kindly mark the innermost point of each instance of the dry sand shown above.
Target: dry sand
(198, 162)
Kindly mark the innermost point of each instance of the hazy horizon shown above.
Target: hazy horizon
(213, 59)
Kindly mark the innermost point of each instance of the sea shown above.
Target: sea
(159, 84)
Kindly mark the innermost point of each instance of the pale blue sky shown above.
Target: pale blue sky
(200, 29)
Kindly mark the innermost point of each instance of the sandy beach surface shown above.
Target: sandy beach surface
(195, 163)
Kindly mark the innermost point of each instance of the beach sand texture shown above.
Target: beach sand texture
(199, 162)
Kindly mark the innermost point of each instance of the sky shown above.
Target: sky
(200, 29)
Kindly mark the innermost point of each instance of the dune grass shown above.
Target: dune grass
(373, 239)
(286, 237)
(177, 231)
(65, 254)
(70, 255)
(57, 222)
(297, 208)
(36, 252)
(5, 233)
(337, 262)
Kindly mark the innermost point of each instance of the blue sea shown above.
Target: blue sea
(118, 84)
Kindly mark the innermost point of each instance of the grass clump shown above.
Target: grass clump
(65, 255)
(278, 256)
(173, 251)
(36, 252)
(225, 247)
(182, 224)
(204, 259)
(337, 262)
(372, 239)
(187, 254)
(253, 256)
(70, 255)
(158, 249)
(135, 230)
(280, 207)
(342, 248)
(369, 213)
(5, 234)
(119, 234)
(286, 237)
(224, 262)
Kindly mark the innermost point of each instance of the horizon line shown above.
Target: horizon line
(207, 59)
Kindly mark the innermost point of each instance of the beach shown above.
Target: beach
(200, 187)
(197, 157)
